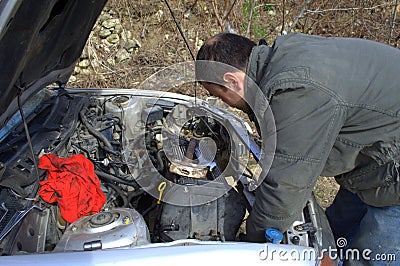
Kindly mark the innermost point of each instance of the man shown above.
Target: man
(336, 105)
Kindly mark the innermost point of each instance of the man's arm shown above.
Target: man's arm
(308, 121)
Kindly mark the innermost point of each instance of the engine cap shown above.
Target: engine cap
(273, 235)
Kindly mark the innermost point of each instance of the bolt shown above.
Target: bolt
(295, 240)
(126, 220)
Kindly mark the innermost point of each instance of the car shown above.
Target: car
(173, 169)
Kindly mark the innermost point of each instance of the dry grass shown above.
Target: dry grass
(325, 191)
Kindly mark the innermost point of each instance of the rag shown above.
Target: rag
(73, 184)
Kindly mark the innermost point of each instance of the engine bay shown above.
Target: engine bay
(170, 170)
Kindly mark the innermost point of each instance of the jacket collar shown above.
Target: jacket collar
(258, 62)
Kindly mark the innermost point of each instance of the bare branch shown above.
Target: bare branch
(283, 17)
(227, 13)
(393, 21)
(253, 4)
(215, 8)
(303, 9)
(344, 9)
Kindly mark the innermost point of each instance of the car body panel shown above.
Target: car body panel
(178, 253)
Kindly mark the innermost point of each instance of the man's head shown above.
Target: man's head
(225, 83)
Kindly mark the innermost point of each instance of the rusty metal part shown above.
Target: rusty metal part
(188, 171)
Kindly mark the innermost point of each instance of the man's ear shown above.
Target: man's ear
(232, 79)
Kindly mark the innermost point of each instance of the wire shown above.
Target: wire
(180, 29)
(186, 43)
(28, 137)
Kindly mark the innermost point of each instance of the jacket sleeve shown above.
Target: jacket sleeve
(308, 121)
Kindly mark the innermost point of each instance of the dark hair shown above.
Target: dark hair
(227, 48)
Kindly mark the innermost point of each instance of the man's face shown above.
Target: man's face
(232, 95)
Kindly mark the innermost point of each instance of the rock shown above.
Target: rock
(113, 38)
(84, 63)
(77, 70)
(110, 23)
(121, 56)
(105, 45)
(187, 14)
(126, 35)
(117, 29)
(131, 45)
(104, 17)
(104, 33)
(86, 72)
(85, 54)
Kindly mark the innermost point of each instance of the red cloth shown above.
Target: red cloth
(73, 184)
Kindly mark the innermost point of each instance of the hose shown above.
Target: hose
(93, 131)
(112, 178)
(120, 193)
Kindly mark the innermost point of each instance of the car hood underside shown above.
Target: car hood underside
(40, 42)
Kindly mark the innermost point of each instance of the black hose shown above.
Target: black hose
(134, 194)
(152, 206)
(120, 193)
(107, 149)
(93, 131)
(112, 178)
(160, 160)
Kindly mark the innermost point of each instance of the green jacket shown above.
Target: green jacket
(336, 105)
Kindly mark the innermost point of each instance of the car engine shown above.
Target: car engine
(170, 170)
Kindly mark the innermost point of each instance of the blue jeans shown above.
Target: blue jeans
(374, 231)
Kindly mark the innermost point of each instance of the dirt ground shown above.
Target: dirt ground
(134, 39)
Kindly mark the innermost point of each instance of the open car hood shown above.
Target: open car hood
(40, 41)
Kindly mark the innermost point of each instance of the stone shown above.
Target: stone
(121, 56)
(85, 54)
(86, 72)
(110, 23)
(113, 38)
(104, 17)
(84, 63)
(77, 70)
(126, 35)
(132, 44)
(117, 29)
(104, 33)
(105, 45)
